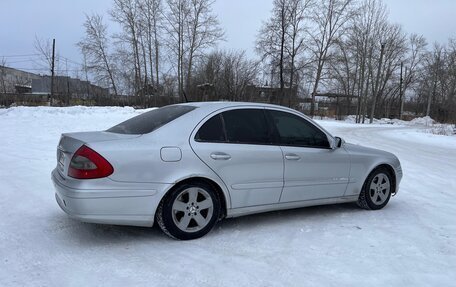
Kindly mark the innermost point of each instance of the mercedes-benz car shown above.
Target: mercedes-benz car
(187, 166)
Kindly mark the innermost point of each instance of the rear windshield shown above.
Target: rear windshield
(150, 121)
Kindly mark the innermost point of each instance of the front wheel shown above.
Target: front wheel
(190, 211)
(376, 190)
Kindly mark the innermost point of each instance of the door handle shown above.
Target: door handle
(220, 156)
(292, 156)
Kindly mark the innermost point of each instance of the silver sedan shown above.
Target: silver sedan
(187, 166)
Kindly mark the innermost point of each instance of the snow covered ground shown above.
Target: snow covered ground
(411, 242)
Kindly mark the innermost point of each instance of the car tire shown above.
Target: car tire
(189, 211)
(377, 190)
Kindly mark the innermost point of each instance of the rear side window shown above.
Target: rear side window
(150, 121)
(247, 126)
(296, 131)
(211, 131)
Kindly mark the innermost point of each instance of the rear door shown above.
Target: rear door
(236, 144)
(313, 170)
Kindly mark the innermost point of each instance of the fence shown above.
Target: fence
(9, 99)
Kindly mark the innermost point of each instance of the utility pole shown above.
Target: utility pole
(401, 102)
(52, 71)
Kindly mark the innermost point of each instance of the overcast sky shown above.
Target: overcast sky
(21, 20)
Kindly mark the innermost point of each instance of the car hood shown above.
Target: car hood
(358, 149)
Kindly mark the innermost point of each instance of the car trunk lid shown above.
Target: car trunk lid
(70, 142)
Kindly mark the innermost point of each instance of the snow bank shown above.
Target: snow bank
(422, 124)
(72, 111)
(423, 121)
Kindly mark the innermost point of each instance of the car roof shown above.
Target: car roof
(226, 104)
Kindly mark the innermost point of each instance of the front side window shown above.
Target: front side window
(246, 126)
(296, 131)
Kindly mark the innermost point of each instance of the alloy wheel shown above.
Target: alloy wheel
(192, 209)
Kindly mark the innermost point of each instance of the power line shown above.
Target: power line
(46, 69)
(13, 56)
(42, 65)
(27, 69)
(71, 61)
(19, 61)
(35, 57)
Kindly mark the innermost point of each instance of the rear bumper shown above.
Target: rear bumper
(115, 206)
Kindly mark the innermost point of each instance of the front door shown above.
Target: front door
(313, 170)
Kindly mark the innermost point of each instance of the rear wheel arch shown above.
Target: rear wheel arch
(206, 181)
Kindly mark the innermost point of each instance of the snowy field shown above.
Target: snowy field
(411, 242)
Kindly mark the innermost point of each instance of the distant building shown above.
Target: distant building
(269, 94)
(23, 89)
(33, 88)
(67, 87)
(331, 104)
(15, 81)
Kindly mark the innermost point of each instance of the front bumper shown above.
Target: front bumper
(399, 174)
(115, 206)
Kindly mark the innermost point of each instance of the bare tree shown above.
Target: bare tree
(95, 48)
(192, 28)
(126, 13)
(449, 114)
(393, 41)
(296, 38)
(281, 41)
(436, 86)
(435, 68)
(238, 73)
(3, 74)
(364, 42)
(305, 44)
(330, 17)
(345, 67)
(414, 61)
(226, 74)
(272, 40)
(176, 19)
(203, 32)
(126, 76)
(44, 49)
(151, 12)
(366, 61)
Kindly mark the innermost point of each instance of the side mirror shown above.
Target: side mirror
(338, 142)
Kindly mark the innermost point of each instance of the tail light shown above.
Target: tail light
(88, 164)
